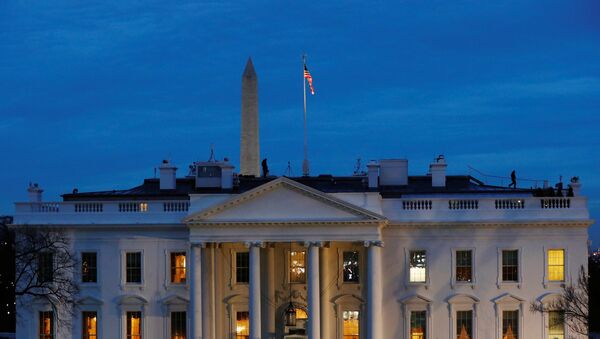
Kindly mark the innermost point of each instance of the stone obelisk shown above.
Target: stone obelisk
(249, 147)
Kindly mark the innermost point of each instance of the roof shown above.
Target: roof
(150, 189)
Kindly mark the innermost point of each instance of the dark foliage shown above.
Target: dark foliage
(7, 275)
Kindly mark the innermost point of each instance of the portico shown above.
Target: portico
(270, 223)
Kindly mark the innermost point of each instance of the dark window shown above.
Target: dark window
(242, 267)
(45, 267)
(418, 324)
(133, 267)
(209, 171)
(178, 325)
(88, 267)
(351, 273)
(46, 325)
(464, 324)
(89, 325)
(134, 325)
(510, 324)
(464, 266)
(178, 267)
(510, 265)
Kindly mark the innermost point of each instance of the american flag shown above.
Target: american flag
(308, 78)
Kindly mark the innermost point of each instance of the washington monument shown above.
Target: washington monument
(250, 147)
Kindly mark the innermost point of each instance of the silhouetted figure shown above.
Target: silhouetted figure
(513, 179)
(265, 168)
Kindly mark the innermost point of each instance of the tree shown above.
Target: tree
(573, 302)
(44, 270)
(7, 273)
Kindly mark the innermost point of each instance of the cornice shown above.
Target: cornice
(315, 223)
(490, 224)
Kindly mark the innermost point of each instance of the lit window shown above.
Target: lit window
(351, 273)
(178, 325)
(418, 266)
(178, 267)
(143, 207)
(464, 266)
(464, 324)
(46, 326)
(45, 267)
(242, 267)
(134, 325)
(88, 267)
(301, 314)
(556, 325)
(510, 324)
(89, 325)
(351, 325)
(556, 265)
(510, 265)
(133, 267)
(242, 325)
(297, 267)
(418, 325)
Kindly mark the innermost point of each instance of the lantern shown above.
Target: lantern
(290, 315)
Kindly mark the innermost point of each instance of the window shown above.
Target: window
(89, 326)
(134, 325)
(510, 265)
(297, 267)
(464, 266)
(242, 267)
(351, 325)
(464, 324)
(556, 325)
(46, 325)
(143, 207)
(178, 267)
(418, 324)
(89, 267)
(510, 324)
(178, 325)
(351, 271)
(418, 266)
(45, 267)
(133, 267)
(242, 325)
(556, 265)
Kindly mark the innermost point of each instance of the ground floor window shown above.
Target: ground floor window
(134, 325)
(178, 325)
(89, 325)
(46, 326)
(556, 325)
(464, 324)
(418, 325)
(351, 324)
(242, 325)
(510, 324)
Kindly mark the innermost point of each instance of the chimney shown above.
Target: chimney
(438, 172)
(226, 174)
(393, 172)
(35, 193)
(373, 174)
(168, 178)
(576, 186)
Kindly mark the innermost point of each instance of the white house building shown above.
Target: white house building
(384, 254)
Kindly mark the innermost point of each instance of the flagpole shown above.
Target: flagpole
(305, 166)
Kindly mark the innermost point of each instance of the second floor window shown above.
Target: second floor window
(45, 267)
(88, 267)
(510, 265)
(242, 267)
(351, 273)
(556, 265)
(133, 267)
(297, 267)
(178, 267)
(418, 266)
(464, 266)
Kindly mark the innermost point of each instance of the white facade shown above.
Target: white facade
(283, 215)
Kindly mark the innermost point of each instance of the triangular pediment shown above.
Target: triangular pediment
(283, 200)
(507, 298)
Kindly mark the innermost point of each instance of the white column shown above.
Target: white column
(374, 292)
(325, 271)
(271, 291)
(254, 291)
(196, 291)
(314, 292)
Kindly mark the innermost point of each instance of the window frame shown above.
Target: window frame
(97, 282)
(288, 271)
(454, 282)
(519, 282)
(349, 302)
(168, 283)
(463, 302)
(360, 270)
(546, 301)
(509, 302)
(407, 252)
(142, 320)
(170, 322)
(124, 283)
(235, 267)
(41, 271)
(416, 303)
(555, 283)
(39, 324)
(81, 312)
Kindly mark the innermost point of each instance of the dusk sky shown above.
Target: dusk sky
(94, 96)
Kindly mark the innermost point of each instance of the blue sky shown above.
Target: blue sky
(95, 95)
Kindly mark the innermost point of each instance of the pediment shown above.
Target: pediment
(415, 299)
(130, 299)
(283, 200)
(461, 298)
(175, 300)
(89, 300)
(508, 298)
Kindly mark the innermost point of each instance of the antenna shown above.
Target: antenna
(212, 153)
(358, 167)
(288, 170)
